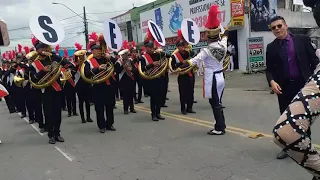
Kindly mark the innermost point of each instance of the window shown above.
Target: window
(281, 3)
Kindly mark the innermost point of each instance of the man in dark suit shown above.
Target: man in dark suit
(290, 61)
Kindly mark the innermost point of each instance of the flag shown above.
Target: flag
(3, 91)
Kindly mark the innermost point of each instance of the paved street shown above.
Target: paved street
(175, 149)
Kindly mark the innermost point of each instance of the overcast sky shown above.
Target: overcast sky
(16, 13)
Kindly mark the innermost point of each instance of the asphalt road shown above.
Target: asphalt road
(140, 149)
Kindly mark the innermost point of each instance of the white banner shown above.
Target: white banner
(170, 16)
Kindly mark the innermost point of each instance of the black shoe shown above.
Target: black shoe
(52, 140)
(23, 115)
(164, 105)
(191, 111)
(167, 98)
(114, 107)
(69, 115)
(214, 132)
(89, 120)
(160, 117)
(282, 155)
(42, 130)
(140, 101)
(136, 102)
(83, 120)
(154, 118)
(133, 111)
(195, 101)
(31, 121)
(102, 130)
(125, 112)
(111, 128)
(75, 114)
(64, 109)
(59, 139)
(184, 112)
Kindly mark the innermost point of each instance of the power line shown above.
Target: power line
(27, 27)
(107, 12)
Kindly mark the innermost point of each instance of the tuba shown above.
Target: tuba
(226, 62)
(80, 56)
(50, 77)
(18, 80)
(183, 70)
(155, 71)
(103, 75)
(65, 76)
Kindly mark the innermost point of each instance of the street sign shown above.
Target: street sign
(255, 53)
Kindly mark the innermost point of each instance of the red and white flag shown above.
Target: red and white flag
(3, 91)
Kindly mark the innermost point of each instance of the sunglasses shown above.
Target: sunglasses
(279, 26)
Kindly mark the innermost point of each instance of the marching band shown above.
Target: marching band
(36, 79)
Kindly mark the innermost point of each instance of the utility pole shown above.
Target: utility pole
(85, 26)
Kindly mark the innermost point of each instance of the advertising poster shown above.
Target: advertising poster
(262, 11)
(256, 58)
(237, 12)
(170, 16)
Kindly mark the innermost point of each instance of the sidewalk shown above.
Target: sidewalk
(236, 80)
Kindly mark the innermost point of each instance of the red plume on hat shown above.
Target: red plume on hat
(125, 45)
(19, 48)
(3, 55)
(93, 38)
(13, 53)
(213, 21)
(26, 49)
(10, 55)
(143, 49)
(78, 46)
(34, 40)
(66, 54)
(57, 49)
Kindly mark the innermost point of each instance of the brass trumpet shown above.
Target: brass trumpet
(155, 71)
(18, 80)
(101, 77)
(183, 70)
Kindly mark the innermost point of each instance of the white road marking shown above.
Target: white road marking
(66, 155)
(70, 158)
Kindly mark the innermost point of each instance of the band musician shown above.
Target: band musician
(127, 73)
(157, 87)
(46, 64)
(185, 81)
(103, 93)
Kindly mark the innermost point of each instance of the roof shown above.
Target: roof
(127, 12)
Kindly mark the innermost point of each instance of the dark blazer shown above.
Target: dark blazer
(305, 57)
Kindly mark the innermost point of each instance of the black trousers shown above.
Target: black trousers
(166, 84)
(70, 93)
(30, 104)
(104, 98)
(83, 93)
(290, 88)
(13, 95)
(157, 90)
(127, 87)
(21, 96)
(52, 111)
(186, 90)
(10, 103)
(63, 99)
(217, 108)
(36, 95)
(140, 88)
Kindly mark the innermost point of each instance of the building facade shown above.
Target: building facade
(248, 21)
